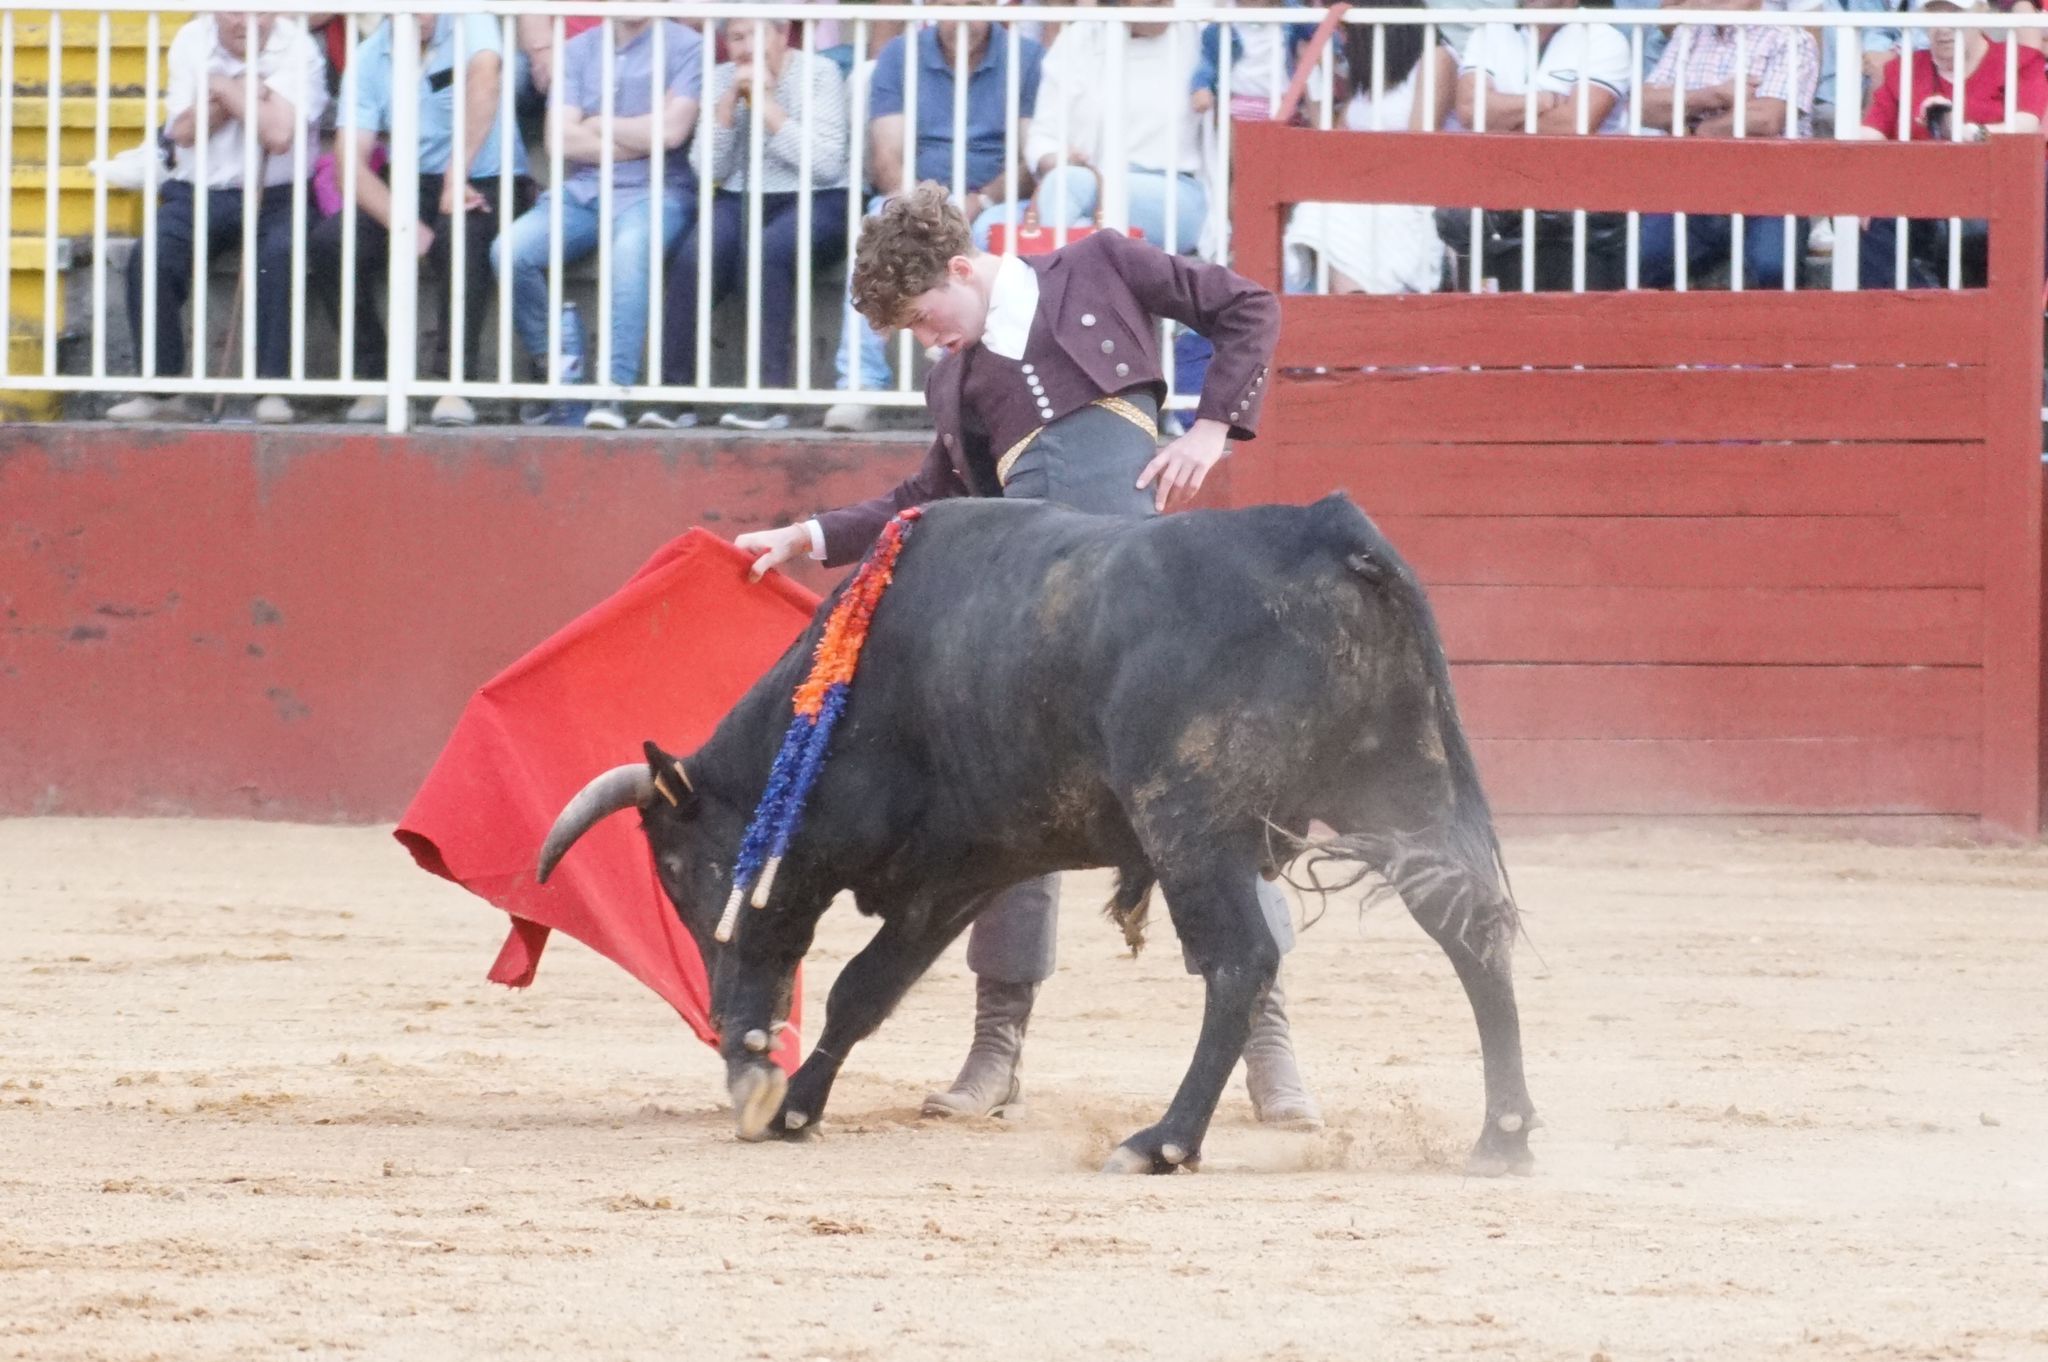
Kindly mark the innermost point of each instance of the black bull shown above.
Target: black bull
(1042, 690)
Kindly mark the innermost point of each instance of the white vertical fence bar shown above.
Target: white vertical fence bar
(1172, 243)
(1276, 79)
(1013, 142)
(1059, 169)
(1901, 225)
(960, 79)
(1737, 262)
(1581, 119)
(857, 185)
(508, 44)
(757, 132)
(253, 164)
(52, 190)
(1428, 78)
(401, 347)
(1680, 254)
(1848, 229)
(805, 205)
(913, 63)
(657, 195)
(607, 116)
(1790, 225)
(706, 228)
(1476, 264)
(455, 189)
(1226, 87)
(295, 364)
(1328, 111)
(1529, 126)
(558, 109)
(152, 175)
(1955, 133)
(202, 212)
(102, 69)
(7, 176)
(350, 79)
(1632, 245)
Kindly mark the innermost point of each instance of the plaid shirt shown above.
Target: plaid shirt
(1781, 61)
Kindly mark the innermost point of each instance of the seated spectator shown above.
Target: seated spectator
(863, 351)
(208, 65)
(1564, 63)
(1378, 247)
(1086, 98)
(448, 176)
(575, 122)
(1777, 86)
(1934, 116)
(1262, 58)
(801, 96)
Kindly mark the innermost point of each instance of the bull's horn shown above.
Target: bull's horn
(622, 787)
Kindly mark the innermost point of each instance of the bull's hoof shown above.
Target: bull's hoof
(1503, 1147)
(757, 1093)
(1150, 1152)
(792, 1125)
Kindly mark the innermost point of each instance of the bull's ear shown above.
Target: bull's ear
(672, 783)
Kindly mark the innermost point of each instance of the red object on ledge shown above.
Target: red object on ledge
(665, 657)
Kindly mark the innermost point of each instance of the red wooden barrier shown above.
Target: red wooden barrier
(1693, 553)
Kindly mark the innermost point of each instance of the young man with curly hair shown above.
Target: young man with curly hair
(1050, 388)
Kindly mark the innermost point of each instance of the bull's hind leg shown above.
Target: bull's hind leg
(1215, 909)
(1475, 924)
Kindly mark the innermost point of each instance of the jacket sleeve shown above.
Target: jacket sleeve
(849, 530)
(1239, 318)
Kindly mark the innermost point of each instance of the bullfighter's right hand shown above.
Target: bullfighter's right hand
(773, 548)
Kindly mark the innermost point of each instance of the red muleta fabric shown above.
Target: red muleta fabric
(663, 658)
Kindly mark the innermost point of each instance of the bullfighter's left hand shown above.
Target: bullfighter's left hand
(1181, 466)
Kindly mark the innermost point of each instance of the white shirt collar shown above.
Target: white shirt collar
(1012, 303)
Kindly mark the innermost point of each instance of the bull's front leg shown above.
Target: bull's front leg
(862, 997)
(1224, 930)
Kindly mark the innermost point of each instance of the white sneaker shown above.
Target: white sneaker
(1821, 240)
(368, 410)
(274, 411)
(143, 407)
(850, 417)
(453, 411)
(667, 418)
(605, 416)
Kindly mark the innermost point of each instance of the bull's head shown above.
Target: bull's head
(692, 834)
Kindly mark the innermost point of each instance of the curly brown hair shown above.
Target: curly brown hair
(903, 252)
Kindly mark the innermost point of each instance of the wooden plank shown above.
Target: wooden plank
(1708, 625)
(1514, 701)
(1532, 406)
(1763, 177)
(1804, 776)
(1635, 330)
(1864, 551)
(2012, 648)
(1805, 479)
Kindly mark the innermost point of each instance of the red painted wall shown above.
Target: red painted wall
(286, 624)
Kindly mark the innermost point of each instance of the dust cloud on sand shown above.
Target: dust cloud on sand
(256, 1101)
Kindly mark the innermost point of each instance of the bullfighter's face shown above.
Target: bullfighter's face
(952, 314)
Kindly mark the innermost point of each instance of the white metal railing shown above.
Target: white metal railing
(484, 43)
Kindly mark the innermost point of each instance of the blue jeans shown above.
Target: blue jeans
(630, 227)
(1708, 241)
(1069, 196)
(860, 343)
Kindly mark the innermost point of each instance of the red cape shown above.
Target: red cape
(664, 658)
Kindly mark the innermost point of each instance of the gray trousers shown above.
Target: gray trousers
(1089, 460)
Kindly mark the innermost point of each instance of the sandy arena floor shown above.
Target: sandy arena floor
(256, 1099)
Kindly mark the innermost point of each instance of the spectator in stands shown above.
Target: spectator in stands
(575, 121)
(536, 33)
(208, 66)
(1090, 108)
(799, 101)
(1934, 116)
(1372, 247)
(1575, 77)
(451, 179)
(1776, 91)
(985, 152)
(1262, 58)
